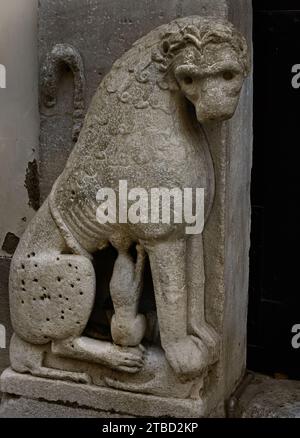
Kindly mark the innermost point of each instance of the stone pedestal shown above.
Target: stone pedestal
(99, 400)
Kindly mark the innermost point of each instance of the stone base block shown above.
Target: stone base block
(22, 407)
(25, 395)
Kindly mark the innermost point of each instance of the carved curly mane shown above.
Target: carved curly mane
(160, 47)
(201, 33)
(139, 77)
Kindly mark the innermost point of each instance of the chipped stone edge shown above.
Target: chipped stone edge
(98, 398)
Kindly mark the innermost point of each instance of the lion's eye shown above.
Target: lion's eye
(228, 75)
(188, 80)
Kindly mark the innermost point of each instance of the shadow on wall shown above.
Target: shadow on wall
(5, 324)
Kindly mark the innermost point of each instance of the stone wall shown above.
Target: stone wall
(19, 132)
(110, 28)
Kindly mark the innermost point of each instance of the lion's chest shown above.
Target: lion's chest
(153, 158)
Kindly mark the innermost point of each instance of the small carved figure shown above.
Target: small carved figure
(146, 126)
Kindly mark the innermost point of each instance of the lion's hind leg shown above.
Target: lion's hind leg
(51, 296)
(29, 358)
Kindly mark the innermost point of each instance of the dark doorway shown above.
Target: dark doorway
(274, 296)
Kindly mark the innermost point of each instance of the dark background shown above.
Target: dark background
(274, 293)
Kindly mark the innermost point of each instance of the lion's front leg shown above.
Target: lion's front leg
(187, 354)
(197, 319)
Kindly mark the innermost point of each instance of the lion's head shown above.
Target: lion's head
(208, 61)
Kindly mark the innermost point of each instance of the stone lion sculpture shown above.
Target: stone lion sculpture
(145, 126)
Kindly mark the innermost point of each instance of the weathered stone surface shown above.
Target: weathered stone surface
(52, 321)
(265, 397)
(103, 399)
(101, 31)
(21, 407)
(237, 220)
(139, 111)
